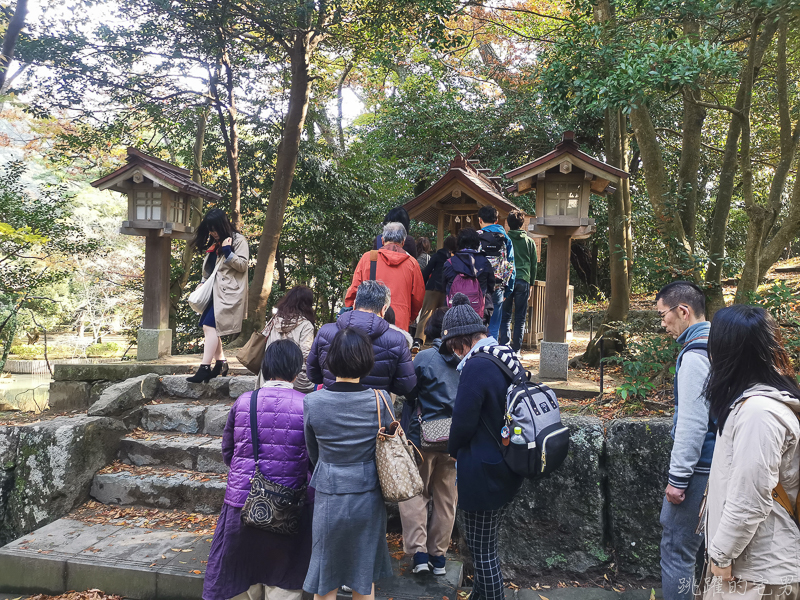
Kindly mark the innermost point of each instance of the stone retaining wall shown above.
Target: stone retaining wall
(601, 506)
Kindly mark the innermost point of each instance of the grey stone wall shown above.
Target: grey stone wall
(46, 469)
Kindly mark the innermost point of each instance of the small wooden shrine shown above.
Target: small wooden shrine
(452, 202)
(159, 204)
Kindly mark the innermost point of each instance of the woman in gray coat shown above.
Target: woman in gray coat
(349, 526)
(226, 250)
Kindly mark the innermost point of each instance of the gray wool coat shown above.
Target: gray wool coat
(230, 286)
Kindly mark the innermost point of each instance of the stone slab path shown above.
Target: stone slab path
(151, 564)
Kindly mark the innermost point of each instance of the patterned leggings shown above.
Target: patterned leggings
(481, 537)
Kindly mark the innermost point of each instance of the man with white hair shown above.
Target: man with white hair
(398, 270)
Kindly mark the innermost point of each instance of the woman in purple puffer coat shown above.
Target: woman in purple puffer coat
(242, 558)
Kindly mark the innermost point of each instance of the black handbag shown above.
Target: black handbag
(270, 506)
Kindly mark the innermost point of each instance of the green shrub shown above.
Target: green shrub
(104, 349)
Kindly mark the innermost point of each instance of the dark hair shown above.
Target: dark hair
(215, 220)
(398, 215)
(451, 244)
(423, 245)
(433, 328)
(745, 348)
(468, 238)
(350, 355)
(684, 292)
(457, 342)
(487, 214)
(389, 317)
(515, 219)
(283, 360)
(297, 302)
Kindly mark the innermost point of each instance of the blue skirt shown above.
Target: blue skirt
(207, 318)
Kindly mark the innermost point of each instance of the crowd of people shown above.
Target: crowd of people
(730, 513)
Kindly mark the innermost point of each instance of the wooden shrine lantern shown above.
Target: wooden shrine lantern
(564, 181)
(159, 208)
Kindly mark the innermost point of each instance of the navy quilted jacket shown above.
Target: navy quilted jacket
(283, 457)
(393, 370)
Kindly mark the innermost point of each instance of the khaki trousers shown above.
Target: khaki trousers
(747, 590)
(268, 592)
(438, 473)
(430, 303)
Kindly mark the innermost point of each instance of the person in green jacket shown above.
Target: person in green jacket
(525, 261)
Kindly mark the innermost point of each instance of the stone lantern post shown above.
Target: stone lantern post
(159, 205)
(564, 180)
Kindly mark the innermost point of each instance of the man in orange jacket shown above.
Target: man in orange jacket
(398, 270)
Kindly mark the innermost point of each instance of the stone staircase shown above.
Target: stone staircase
(170, 463)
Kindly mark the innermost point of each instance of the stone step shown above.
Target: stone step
(176, 386)
(183, 451)
(159, 487)
(120, 556)
(208, 419)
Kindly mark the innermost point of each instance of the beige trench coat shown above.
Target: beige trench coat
(230, 286)
(758, 447)
(301, 333)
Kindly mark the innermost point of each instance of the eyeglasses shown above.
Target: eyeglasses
(666, 312)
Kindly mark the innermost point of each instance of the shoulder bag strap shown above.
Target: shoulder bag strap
(373, 264)
(253, 426)
(378, 405)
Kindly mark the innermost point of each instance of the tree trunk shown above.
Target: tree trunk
(719, 224)
(615, 131)
(693, 118)
(230, 136)
(195, 216)
(299, 94)
(10, 38)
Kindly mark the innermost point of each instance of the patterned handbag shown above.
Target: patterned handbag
(270, 506)
(394, 457)
(434, 434)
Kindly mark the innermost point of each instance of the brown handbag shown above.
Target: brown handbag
(251, 355)
(394, 457)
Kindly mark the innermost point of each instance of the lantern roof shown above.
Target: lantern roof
(567, 149)
(474, 184)
(163, 173)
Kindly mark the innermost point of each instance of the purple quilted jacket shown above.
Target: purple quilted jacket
(282, 447)
(393, 370)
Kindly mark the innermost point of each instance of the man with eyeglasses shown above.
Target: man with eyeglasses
(681, 305)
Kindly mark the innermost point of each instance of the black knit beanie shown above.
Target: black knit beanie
(461, 319)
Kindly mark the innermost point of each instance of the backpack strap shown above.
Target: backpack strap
(373, 264)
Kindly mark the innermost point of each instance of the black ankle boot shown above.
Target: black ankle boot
(220, 369)
(202, 376)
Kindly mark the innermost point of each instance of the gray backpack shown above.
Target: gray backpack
(533, 407)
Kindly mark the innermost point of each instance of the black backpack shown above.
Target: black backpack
(533, 407)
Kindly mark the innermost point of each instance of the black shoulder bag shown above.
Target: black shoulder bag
(270, 506)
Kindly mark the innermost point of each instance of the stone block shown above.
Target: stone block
(9, 442)
(554, 360)
(215, 419)
(176, 386)
(241, 384)
(98, 387)
(69, 395)
(152, 344)
(183, 418)
(56, 461)
(637, 462)
(126, 395)
(180, 491)
(558, 523)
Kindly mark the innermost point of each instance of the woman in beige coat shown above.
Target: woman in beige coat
(228, 251)
(293, 320)
(752, 533)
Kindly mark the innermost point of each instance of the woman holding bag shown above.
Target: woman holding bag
(293, 320)
(753, 539)
(244, 560)
(225, 269)
(341, 424)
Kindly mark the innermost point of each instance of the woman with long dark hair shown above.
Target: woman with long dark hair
(752, 535)
(294, 320)
(228, 251)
